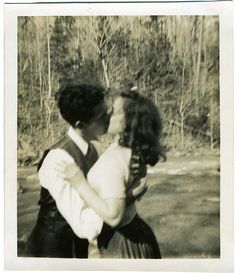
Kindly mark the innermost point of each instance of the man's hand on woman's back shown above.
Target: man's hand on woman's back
(137, 184)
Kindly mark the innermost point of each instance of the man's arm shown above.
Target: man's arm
(136, 191)
(137, 184)
(84, 222)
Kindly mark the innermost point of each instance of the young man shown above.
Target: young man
(54, 235)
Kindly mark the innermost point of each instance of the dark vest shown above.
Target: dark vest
(52, 235)
(46, 202)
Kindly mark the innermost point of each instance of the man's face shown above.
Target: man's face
(98, 125)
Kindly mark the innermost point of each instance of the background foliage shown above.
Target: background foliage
(172, 59)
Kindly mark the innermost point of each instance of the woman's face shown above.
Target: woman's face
(117, 120)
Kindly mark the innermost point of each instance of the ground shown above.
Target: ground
(182, 205)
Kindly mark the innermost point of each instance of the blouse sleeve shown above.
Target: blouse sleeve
(109, 174)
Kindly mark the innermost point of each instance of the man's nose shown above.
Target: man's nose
(107, 120)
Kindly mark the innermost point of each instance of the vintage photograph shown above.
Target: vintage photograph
(118, 137)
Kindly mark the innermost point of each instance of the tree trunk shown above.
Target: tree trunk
(105, 70)
(39, 67)
(182, 130)
(211, 121)
(49, 61)
(199, 58)
(48, 123)
(181, 109)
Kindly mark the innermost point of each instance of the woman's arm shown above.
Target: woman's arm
(110, 210)
(106, 191)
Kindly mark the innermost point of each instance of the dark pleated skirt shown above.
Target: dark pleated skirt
(133, 241)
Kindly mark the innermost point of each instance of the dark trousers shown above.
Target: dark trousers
(45, 241)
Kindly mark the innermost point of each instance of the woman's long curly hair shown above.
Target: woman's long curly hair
(142, 127)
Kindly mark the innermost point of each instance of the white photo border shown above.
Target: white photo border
(223, 9)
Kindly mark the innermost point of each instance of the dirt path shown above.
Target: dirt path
(182, 206)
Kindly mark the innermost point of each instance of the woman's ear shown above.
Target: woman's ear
(80, 125)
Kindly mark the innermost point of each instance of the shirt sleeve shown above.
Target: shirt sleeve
(109, 174)
(84, 221)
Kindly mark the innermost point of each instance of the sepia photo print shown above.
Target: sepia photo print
(154, 80)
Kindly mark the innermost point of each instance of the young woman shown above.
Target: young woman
(136, 125)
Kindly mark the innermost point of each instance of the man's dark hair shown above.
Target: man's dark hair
(76, 102)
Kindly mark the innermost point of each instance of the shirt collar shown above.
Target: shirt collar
(78, 140)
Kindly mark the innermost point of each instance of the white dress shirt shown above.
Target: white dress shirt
(84, 221)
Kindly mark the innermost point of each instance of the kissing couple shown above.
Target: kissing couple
(88, 195)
